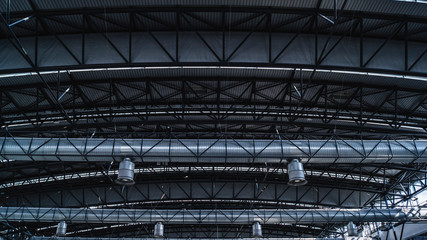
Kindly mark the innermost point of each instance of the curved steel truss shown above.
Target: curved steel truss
(75, 104)
(216, 35)
(210, 101)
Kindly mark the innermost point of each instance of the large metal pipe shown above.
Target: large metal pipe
(213, 150)
(205, 216)
(100, 238)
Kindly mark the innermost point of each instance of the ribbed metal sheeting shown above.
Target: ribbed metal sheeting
(372, 6)
(213, 150)
(184, 216)
(94, 238)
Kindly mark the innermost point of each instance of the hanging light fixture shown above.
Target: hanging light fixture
(61, 229)
(159, 230)
(126, 172)
(351, 229)
(296, 173)
(256, 230)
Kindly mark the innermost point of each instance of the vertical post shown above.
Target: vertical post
(178, 16)
(401, 231)
(223, 35)
(83, 38)
(395, 109)
(335, 11)
(326, 104)
(406, 46)
(110, 99)
(131, 28)
(37, 106)
(269, 36)
(316, 40)
(36, 43)
(361, 106)
(1, 108)
(58, 85)
(361, 43)
(74, 103)
(8, 12)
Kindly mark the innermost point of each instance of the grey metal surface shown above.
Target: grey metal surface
(373, 6)
(159, 230)
(205, 216)
(296, 173)
(172, 190)
(61, 229)
(351, 229)
(213, 150)
(256, 230)
(146, 51)
(405, 231)
(126, 172)
(100, 238)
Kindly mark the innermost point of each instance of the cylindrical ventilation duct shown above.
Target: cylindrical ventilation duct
(126, 172)
(159, 230)
(107, 238)
(61, 230)
(296, 173)
(201, 216)
(351, 229)
(256, 230)
(213, 150)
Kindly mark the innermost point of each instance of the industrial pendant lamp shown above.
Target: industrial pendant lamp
(61, 229)
(296, 173)
(159, 230)
(256, 230)
(351, 229)
(126, 172)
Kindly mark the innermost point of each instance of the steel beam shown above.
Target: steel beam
(379, 63)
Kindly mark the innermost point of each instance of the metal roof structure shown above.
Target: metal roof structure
(210, 100)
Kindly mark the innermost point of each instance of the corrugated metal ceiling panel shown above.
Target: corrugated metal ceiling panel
(194, 73)
(383, 6)
(390, 6)
(53, 4)
(16, 6)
